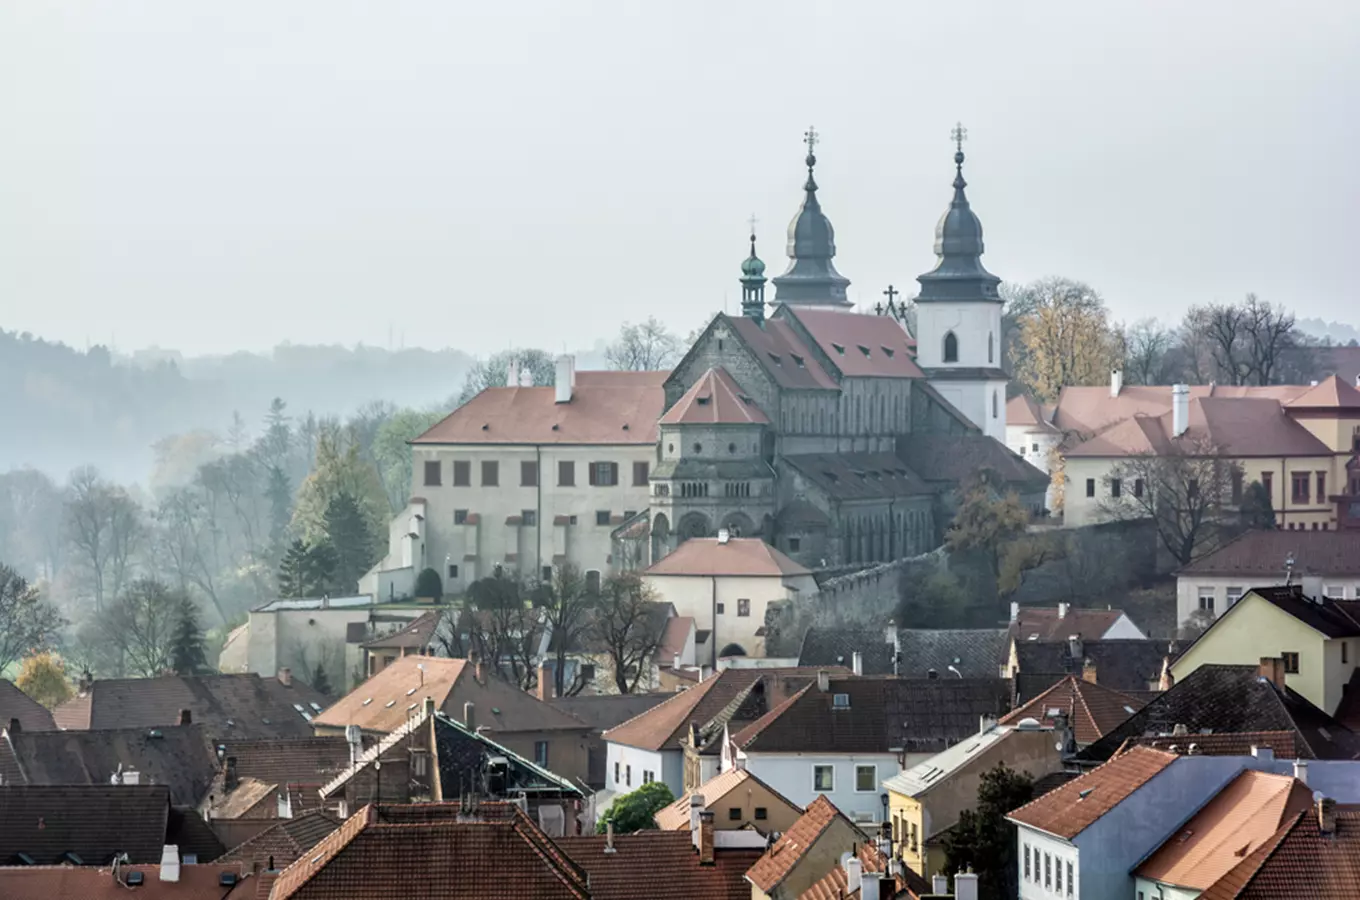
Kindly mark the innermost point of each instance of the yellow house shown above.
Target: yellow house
(1317, 639)
(737, 800)
(927, 799)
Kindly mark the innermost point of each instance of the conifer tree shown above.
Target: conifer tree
(188, 655)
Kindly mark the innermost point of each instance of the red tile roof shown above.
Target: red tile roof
(1330, 393)
(1232, 426)
(1051, 623)
(1023, 409)
(1299, 861)
(1088, 410)
(779, 860)
(1069, 810)
(860, 344)
(1283, 744)
(832, 885)
(605, 408)
(659, 865)
(715, 399)
(1092, 709)
(738, 556)
(416, 635)
(196, 882)
(285, 842)
(777, 347)
(1261, 555)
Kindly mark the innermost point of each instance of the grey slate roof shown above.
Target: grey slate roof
(952, 458)
(832, 646)
(15, 704)
(980, 652)
(1124, 665)
(604, 711)
(859, 476)
(95, 822)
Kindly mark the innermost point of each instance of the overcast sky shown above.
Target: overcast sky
(219, 176)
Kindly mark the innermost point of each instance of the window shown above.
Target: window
(794, 544)
(1057, 877)
(991, 349)
(640, 473)
(1071, 882)
(1138, 487)
(419, 760)
(1192, 487)
(1048, 871)
(566, 473)
(1236, 485)
(823, 778)
(528, 474)
(734, 814)
(1322, 487)
(866, 778)
(951, 348)
(1206, 599)
(996, 404)
(1298, 487)
(587, 672)
(1027, 868)
(593, 581)
(1034, 448)
(1266, 478)
(1234, 594)
(462, 473)
(453, 570)
(491, 473)
(1090, 487)
(604, 474)
(648, 776)
(616, 772)
(541, 753)
(432, 473)
(460, 516)
(743, 606)
(912, 843)
(528, 517)
(721, 607)
(1115, 487)
(1291, 663)
(628, 776)
(1334, 591)
(601, 517)
(762, 813)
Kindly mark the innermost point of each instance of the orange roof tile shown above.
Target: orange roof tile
(1330, 393)
(1239, 818)
(1051, 623)
(1091, 709)
(665, 862)
(779, 860)
(1069, 810)
(1299, 861)
(1023, 409)
(715, 399)
(738, 556)
(832, 885)
(1283, 744)
(1234, 426)
(196, 882)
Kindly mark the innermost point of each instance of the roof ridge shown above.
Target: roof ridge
(760, 724)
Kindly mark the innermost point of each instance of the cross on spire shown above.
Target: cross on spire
(958, 136)
(811, 138)
(752, 222)
(890, 293)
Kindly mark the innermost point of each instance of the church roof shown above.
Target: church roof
(605, 408)
(715, 399)
(959, 274)
(811, 276)
(782, 353)
(860, 344)
(952, 458)
(858, 476)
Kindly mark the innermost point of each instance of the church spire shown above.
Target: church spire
(811, 278)
(959, 274)
(753, 282)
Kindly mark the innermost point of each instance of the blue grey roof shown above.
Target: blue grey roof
(975, 652)
(959, 274)
(811, 278)
(836, 646)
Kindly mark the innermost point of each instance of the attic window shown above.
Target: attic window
(863, 349)
(1084, 794)
(840, 701)
(702, 401)
(798, 359)
(888, 351)
(839, 349)
(410, 692)
(777, 360)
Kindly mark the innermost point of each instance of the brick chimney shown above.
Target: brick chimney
(1167, 681)
(706, 838)
(1272, 670)
(15, 726)
(286, 676)
(1088, 671)
(545, 682)
(229, 779)
(186, 717)
(1326, 813)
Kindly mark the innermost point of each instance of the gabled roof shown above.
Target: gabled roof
(860, 344)
(1024, 410)
(285, 842)
(297, 765)
(604, 711)
(675, 816)
(196, 882)
(1219, 698)
(16, 705)
(243, 706)
(1233, 824)
(1072, 808)
(932, 772)
(1090, 409)
(1329, 618)
(1058, 623)
(1091, 709)
(734, 557)
(776, 863)
(1299, 861)
(832, 885)
(417, 634)
(715, 399)
(859, 476)
(659, 865)
(1128, 665)
(836, 645)
(1242, 427)
(605, 408)
(1260, 556)
(1283, 744)
(781, 352)
(1329, 393)
(974, 652)
(95, 822)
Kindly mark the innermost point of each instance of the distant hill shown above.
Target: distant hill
(1339, 332)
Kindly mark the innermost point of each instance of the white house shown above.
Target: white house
(726, 584)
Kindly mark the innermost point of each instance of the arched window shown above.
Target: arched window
(996, 404)
(991, 349)
(951, 347)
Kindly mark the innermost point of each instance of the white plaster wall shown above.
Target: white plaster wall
(970, 322)
(666, 764)
(791, 775)
(694, 595)
(1060, 852)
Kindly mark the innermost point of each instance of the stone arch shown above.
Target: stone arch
(951, 347)
(738, 524)
(693, 525)
(661, 536)
(732, 650)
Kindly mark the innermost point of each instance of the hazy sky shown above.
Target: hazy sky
(215, 176)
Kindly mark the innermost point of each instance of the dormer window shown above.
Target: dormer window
(702, 401)
(777, 360)
(863, 349)
(799, 360)
(839, 349)
(888, 351)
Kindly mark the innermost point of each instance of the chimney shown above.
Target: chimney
(15, 726)
(1015, 611)
(132, 776)
(1167, 681)
(1272, 670)
(428, 706)
(939, 884)
(706, 838)
(1088, 671)
(229, 778)
(286, 677)
(1326, 813)
(1180, 409)
(564, 378)
(1116, 382)
(1062, 610)
(676, 663)
(966, 886)
(186, 717)
(285, 804)
(170, 862)
(857, 663)
(512, 374)
(545, 682)
(1301, 770)
(470, 716)
(1263, 753)
(724, 535)
(86, 682)
(854, 876)
(823, 680)
(609, 835)
(1074, 648)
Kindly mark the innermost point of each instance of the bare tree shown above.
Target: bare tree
(567, 601)
(28, 623)
(1187, 492)
(185, 542)
(1269, 332)
(630, 625)
(140, 624)
(104, 528)
(644, 347)
(499, 627)
(1222, 325)
(1147, 343)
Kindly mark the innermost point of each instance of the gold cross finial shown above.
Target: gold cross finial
(959, 135)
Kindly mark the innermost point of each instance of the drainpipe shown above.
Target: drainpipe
(538, 506)
(713, 638)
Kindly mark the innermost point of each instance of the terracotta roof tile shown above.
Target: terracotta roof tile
(659, 865)
(1051, 623)
(1259, 554)
(1088, 410)
(738, 556)
(1299, 861)
(1069, 810)
(1023, 410)
(16, 705)
(1247, 812)
(1283, 744)
(860, 344)
(415, 635)
(1330, 393)
(784, 854)
(1091, 709)
(285, 842)
(605, 408)
(1241, 427)
(833, 884)
(675, 816)
(777, 347)
(715, 399)
(196, 882)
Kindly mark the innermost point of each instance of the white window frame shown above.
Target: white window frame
(1206, 593)
(1335, 591)
(830, 768)
(874, 784)
(1234, 593)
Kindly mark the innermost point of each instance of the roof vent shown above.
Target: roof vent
(724, 535)
(1084, 794)
(839, 349)
(888, 351)
(863, 349)
(227, 879)
(1029, 723)
(134, 879)
(702, 401)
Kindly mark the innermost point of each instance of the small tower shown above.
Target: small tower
(958, 315)
(811, 279)
(753, 282)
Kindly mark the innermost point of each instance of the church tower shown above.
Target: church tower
(958, 316)
(753, 282)
(811, 279)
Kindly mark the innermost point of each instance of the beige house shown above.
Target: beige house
(737, 800)
(1316, 642)
(520, 479)
(725, 584)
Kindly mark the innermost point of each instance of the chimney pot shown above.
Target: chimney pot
(1326, 811)
(706, 838)
(286, 676)
(857, 663)
(15, 726)
(470, 716)
(186, 717)
(545, 682)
